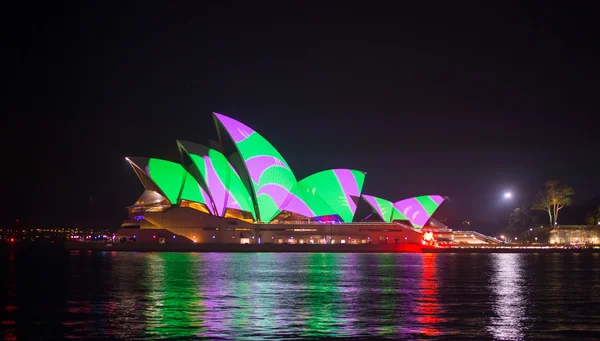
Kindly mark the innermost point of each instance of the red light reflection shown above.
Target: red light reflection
(428, 309)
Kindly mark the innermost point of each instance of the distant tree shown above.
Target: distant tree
(520, 220)
(593, 217)
(552, 198)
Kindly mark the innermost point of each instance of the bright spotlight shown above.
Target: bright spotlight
(507, 195)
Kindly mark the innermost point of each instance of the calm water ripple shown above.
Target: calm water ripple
(263, 296)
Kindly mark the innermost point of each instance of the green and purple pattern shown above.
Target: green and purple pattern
(331, 192)
(418, 210)
(272, 180)
(224, 185)
(382, 207)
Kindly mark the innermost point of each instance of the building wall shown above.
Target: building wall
(189, 225)
(575, 235)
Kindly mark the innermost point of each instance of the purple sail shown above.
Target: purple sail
(283, 198)
(258, 165)
(217, 188)
(349, 186)
(438, 199)
(371, 201)
(237, 130)
(413, 210)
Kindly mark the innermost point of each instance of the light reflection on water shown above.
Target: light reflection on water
(259, 296)
(428, 310)
(508, 284)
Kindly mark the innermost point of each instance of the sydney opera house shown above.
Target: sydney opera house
(241, 190)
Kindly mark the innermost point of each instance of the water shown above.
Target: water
(261, 296)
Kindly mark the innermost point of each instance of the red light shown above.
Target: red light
(12, 240)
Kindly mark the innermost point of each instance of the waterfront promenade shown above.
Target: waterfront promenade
(320, 248)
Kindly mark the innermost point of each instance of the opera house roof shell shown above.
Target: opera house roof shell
(255, 178)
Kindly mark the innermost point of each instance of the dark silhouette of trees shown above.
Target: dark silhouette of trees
(520, 220)
(592, 217)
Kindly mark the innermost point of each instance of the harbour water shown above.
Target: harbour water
(260, 296)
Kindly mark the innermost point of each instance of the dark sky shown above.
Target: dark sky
(460, 101)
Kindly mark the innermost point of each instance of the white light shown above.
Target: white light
(507, 195)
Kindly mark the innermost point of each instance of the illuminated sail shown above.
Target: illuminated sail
(224, 184)
(418, 210)
(272, 181)
(170, 179)
(337, 189)
(383, 208)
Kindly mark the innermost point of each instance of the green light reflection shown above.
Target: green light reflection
(174, 308)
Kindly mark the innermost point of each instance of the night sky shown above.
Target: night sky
(460, 101)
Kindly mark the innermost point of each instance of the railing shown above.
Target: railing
(480, 235)
(313, 222)
(574, 227)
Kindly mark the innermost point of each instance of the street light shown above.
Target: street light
(507, 195)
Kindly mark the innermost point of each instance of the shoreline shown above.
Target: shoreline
(508, 250)
(314, 248)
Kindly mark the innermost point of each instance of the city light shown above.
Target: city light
(428, 236)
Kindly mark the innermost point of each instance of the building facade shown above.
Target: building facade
(242, 190)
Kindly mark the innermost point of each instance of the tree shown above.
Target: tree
(552, 198)
(520, 220)
(593, 217)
